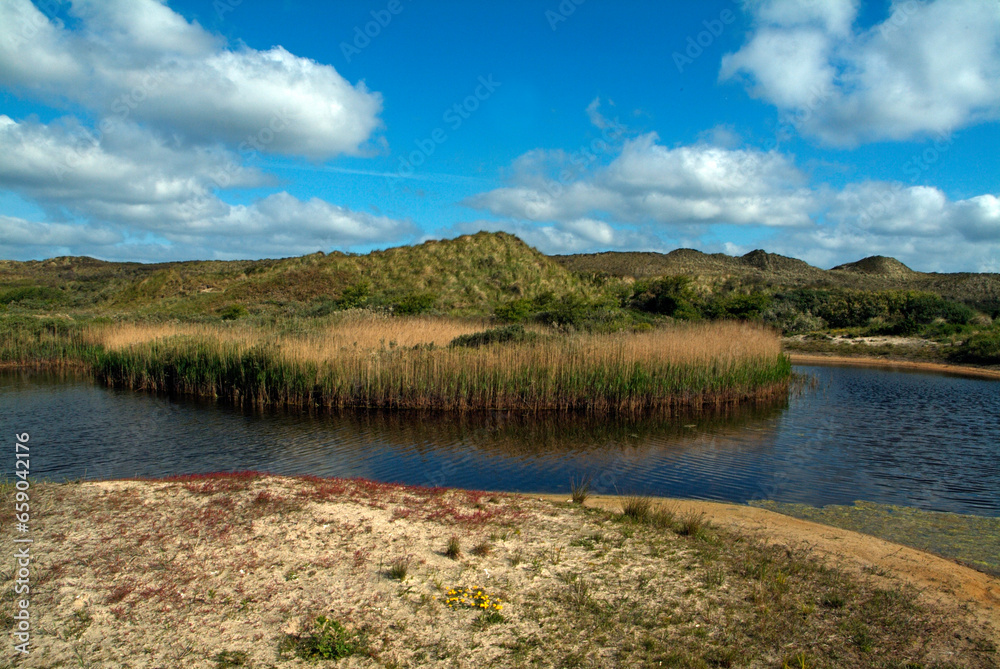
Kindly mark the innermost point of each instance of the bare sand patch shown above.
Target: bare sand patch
(242, 570)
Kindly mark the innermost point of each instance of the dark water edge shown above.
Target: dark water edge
(897, 438)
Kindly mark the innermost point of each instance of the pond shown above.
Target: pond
(891, 437)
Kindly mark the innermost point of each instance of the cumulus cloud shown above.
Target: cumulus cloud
(651, 197)
(132, 196)
(139, 60)
(930, 67)
(918, 225)
(648, 182)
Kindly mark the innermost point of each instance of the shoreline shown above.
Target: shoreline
(834, 360)
(244, 569)
(942, 579)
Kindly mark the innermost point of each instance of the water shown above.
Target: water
(904, 438)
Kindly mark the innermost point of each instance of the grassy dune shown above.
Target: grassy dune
(373, 361)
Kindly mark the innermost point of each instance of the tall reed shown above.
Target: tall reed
(381, 362)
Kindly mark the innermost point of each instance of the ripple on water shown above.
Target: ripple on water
(895, 438)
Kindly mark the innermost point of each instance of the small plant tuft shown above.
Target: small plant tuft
(231, 658)
(398, 568)
(636, 507)
(327, 640)
(580, 489)
(693, 524)
(482, 549)
(454, 548)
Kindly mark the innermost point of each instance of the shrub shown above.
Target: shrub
(668, 296)
(740, 306)
(983, 349)
(356, 296)
(514, 311)
(501, 335)
(414, 303)
(233, 312)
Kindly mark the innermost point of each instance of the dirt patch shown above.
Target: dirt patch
(258, 571)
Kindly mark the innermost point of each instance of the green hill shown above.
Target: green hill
(769, 271)
(463, 276)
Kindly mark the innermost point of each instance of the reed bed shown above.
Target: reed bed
(384, 362)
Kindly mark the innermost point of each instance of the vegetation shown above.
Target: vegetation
(519, 300)
(391, 362)
(565, 585)
(327, 640)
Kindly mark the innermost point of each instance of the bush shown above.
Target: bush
(739, 306)
(983, 349)
(414, 303)
(514, 311)
(356, 296)
(501, 335)
(233, 312)
(668, 296)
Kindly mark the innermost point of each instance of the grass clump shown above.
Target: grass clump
(482, 549)
(580, 490)
(636, 507)
(454, 548)
(327, 640)
(227, 659)
(693, 524)
(399, 568)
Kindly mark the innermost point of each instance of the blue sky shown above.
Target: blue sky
(826, 130)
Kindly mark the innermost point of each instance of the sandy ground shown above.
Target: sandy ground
(233, 571)
(916, 366)
(938, 579)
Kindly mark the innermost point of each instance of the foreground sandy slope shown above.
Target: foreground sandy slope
(243, 571)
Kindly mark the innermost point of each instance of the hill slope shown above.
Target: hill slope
(769, 270)
(462, 275)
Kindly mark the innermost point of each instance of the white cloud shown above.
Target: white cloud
(918, 225)
(139, 60)
(651, 197)
(930, 67)
(648, 182)
(134, 197)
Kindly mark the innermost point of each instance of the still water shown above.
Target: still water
(921, 440)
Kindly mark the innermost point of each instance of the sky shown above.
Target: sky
(826, 130)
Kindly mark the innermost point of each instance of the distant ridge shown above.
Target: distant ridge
(877, 265)
(465, 275)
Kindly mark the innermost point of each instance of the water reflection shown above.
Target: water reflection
(908, 439)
